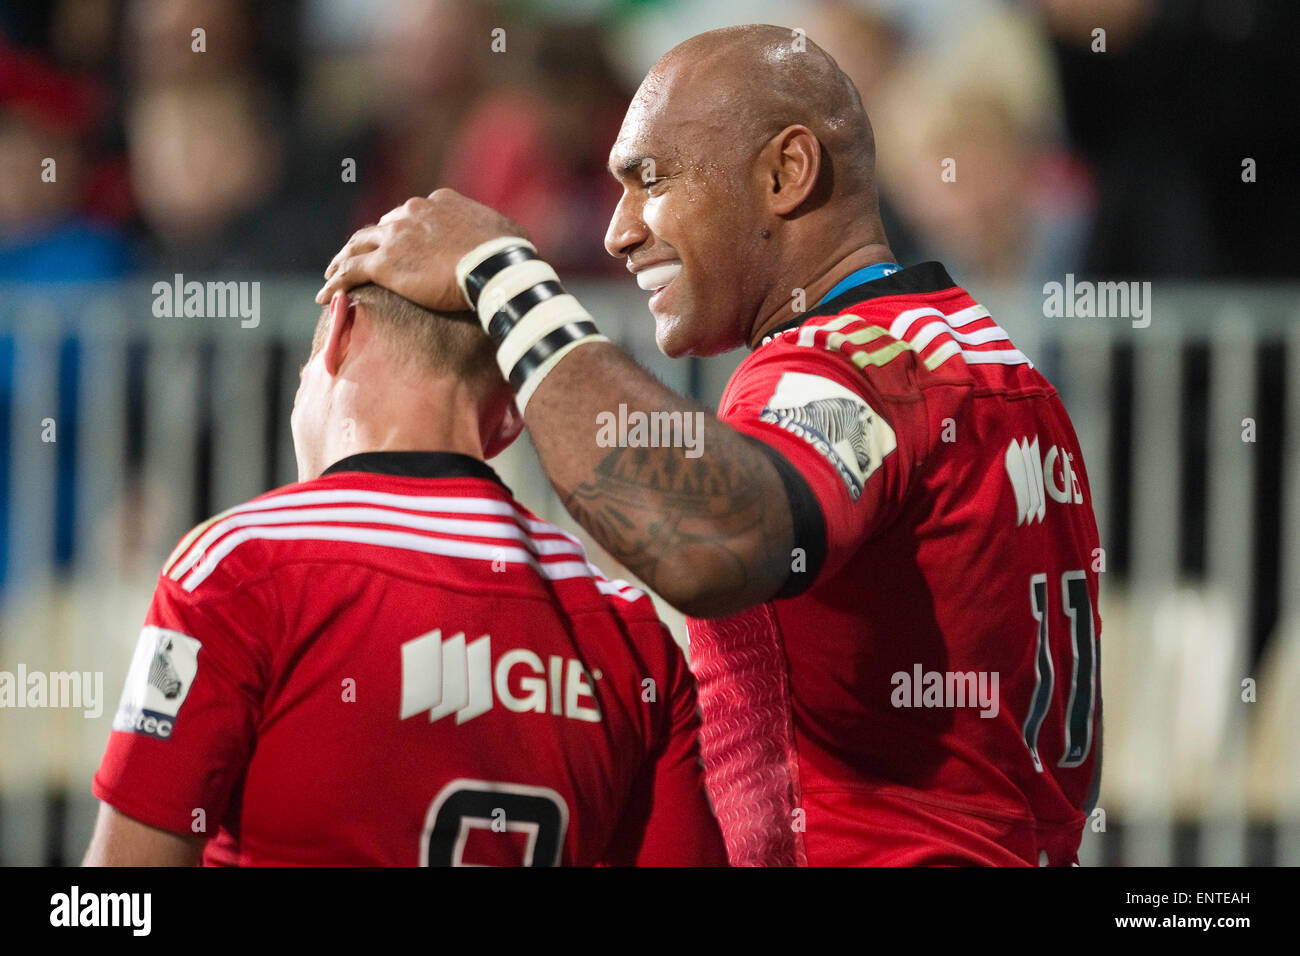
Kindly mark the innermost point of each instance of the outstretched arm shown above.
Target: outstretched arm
(712, 534)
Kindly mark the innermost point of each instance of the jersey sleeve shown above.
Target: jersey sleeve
(184, 728)
(840, 448)
(671, 822)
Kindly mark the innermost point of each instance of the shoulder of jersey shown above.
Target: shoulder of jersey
(624, 598)
(883, 330)
(292, 522)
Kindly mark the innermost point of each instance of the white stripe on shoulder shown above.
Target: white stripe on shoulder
(964, 317)
(403, 540)
(947, 324)
(382, 516)
(808, 333)
(196, 542)
(997, 357)
(620, 589)
(904, 320)
(993, 333)
(193, 534)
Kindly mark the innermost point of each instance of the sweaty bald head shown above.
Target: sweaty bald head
(742, 85)
(747, 166)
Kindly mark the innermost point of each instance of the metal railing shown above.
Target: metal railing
(120, 429)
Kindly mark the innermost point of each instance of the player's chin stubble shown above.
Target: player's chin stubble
(671, 337)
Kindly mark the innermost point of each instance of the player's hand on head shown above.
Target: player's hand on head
(413, 249)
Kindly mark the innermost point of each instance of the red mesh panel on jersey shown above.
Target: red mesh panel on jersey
(747, 738)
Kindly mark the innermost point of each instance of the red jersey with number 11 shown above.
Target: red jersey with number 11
(926, 689)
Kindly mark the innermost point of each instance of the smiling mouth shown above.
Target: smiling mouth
(657, 277)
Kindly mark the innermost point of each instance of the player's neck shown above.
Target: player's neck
(433, 421)
(824, 278)
(401, 439)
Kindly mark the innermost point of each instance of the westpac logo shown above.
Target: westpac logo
(453, 676)
(1035, 478)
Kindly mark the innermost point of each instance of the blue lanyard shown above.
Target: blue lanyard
(869, 274)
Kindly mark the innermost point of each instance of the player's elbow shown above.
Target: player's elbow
(707, 604)
(713, 584)
(119, 840)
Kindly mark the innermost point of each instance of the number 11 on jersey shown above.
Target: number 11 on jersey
(1083, 641)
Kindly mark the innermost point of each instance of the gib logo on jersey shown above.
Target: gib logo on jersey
(162, 672)
(455, 677)
(1034, 478)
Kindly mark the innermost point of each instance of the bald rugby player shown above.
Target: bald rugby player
(886, 548)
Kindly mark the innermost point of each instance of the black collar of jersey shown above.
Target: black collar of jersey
(416, 464)
(924, 277)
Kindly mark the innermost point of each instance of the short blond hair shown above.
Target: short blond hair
(440, 343)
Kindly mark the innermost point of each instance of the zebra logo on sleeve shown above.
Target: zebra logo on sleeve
(162, 672)
(837, 422)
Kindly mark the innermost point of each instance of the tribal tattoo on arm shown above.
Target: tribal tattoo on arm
(711, 534)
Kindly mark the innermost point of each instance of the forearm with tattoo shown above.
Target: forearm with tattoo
(711, 534)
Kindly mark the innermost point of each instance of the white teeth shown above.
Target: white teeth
(656, 277)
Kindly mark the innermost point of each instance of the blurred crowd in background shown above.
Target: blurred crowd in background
(1123, 162)
(1137, 140)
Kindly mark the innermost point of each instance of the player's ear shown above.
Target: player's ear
(507, 430)
(343, 315)
(793, 161)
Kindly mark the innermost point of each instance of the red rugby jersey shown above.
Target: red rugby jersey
(396, 663)
(928, 691)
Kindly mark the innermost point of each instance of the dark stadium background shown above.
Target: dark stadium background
(1127, 163)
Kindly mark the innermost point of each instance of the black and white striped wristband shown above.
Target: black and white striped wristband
(527, 314)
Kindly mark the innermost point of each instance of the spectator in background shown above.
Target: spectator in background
(205, 163)
(49, 234)
(538, 152)
(208, 158)
(865, 42)
(159, 46)
(431, 59)
(869, 47)
(46, 232)
(971, 155)
(526, 128)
